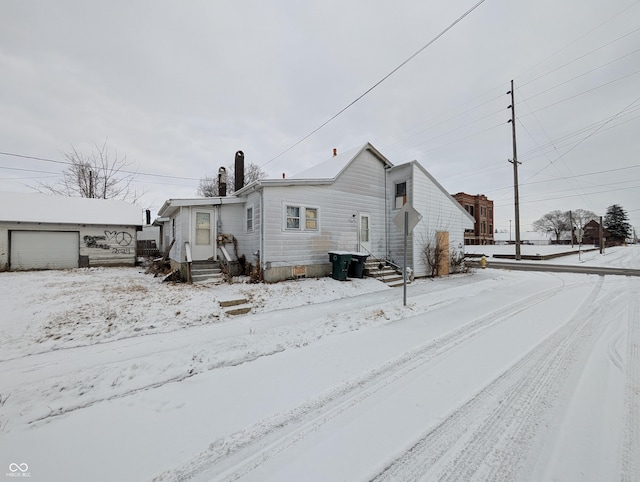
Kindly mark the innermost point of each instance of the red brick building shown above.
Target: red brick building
(481, 209)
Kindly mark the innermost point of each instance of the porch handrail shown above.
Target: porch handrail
(385, 261)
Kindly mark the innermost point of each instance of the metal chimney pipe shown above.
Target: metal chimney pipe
(222, 182)
(239, 171)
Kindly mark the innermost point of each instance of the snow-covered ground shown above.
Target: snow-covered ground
(110, 374)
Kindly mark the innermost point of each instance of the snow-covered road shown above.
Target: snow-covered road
(497, 375)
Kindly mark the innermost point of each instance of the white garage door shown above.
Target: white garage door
(44, 250)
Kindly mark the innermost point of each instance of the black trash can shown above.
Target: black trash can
(340, 261)
(356, 268)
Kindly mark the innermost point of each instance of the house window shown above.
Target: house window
(173, 228)
(250, 219)
(301, 218)
(293, 217)
(203, 229)
(470, 206)
(401, 194)
(483, 211)
(311, 219)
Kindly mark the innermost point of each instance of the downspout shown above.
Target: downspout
(181, 247)
(386, 213)
(261, 244)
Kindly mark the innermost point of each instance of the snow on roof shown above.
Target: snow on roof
(330, 168)
(43, 208)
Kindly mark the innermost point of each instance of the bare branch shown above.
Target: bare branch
(101, 174)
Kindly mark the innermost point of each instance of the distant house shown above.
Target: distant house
(288, 226)
(591, 235)
(481, 209)
(38, 231)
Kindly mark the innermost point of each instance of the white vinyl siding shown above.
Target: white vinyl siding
(44, 250)
(440, 213)
(360, 188)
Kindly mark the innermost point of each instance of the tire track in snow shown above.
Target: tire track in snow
(236, 456)
(466, 446)
(630, 467)
(226, 355)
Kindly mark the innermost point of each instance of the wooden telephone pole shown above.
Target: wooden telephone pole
(516, 196)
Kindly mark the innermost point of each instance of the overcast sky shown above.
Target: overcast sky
(179, 87)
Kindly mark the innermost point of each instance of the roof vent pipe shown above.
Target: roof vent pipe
(239, 171)
(222, 182)
(335, 152)
(283, 175)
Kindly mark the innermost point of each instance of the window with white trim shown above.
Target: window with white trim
(250, 219)
(401, 194)
(293, 217)
(301, 218)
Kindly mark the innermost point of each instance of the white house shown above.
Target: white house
(39, 231)
(288, 226)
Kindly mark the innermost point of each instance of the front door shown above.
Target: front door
(203, 236)
(364, 233)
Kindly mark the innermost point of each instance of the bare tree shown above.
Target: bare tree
(101, 174)
(433, 255)
(252, 172)
(580, 217)
(209, 185)
(554, 222)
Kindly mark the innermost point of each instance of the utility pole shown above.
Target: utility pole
(516, 196)
(571, 227)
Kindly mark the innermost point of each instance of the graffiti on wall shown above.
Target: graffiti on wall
(121, 238)
(95, 242)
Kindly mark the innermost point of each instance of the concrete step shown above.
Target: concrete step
(238, 306)
(206, 272)
(386, 273)
(239, 310)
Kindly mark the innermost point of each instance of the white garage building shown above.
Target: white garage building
(39, 231)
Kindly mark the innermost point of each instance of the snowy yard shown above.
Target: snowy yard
(110, 374)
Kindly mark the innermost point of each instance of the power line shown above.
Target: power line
(583, 56)
(586, 137)
(576, 40)
(411, 57)
(68, 163)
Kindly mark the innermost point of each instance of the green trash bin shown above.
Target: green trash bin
(356, 268)
(340, 264)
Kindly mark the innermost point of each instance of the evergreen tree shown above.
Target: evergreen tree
(617, 222)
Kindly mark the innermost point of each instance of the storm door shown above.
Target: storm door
(364, 233)
(202, 246)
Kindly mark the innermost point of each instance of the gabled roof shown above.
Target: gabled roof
(334, 166)
(171, 205)
(439, 186)
(42, 208)
(323, 173)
